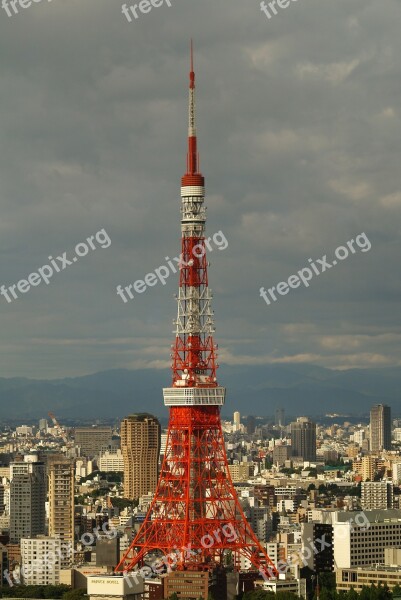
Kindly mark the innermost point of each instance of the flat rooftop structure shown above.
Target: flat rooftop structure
(390, 515)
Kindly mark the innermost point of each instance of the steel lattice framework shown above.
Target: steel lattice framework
(195, 512)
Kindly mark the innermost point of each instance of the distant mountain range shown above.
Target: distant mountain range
(300, 389)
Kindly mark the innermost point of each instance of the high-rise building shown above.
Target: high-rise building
(237, 421)
(140, 445)
(377, 495)
(250, 424)
(27, 499)
(303, 438)
(43, 425)
(92, 439)
(61, 502)
(380, 428)
(280, 417)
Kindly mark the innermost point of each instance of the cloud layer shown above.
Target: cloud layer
(299, 132)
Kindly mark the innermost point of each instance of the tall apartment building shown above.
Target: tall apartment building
(377, 495)
(92, 439)
(380, 428)
(40, 561)
(60, 472)
(303, 438)
(140, 445)
(260, 519)
(27, 499)
(237, 421)
(367, 467)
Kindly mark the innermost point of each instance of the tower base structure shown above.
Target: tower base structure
(195, 517)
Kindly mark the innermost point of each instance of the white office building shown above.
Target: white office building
(360, 538)
(112, 460)
(40, 560)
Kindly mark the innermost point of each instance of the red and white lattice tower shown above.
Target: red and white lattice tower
(195, 507)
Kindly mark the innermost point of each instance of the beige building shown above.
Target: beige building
(92, 439)
(367, 467)
(366, 576)
(61, 501)
(188, 584)
(111, 460)
(377, 495)
(241, 471)
(140, 446)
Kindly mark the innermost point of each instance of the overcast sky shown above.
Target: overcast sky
(299, 126)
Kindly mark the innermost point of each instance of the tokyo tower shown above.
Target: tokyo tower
(195, 507)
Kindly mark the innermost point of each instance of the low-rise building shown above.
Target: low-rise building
(358, 577)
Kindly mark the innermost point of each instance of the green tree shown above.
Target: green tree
(257, 595)
(352, 595)
(55, 591)
(75, 594)
(327, 580)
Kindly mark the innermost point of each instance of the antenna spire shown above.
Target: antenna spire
(192, 160)
(192, 60)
